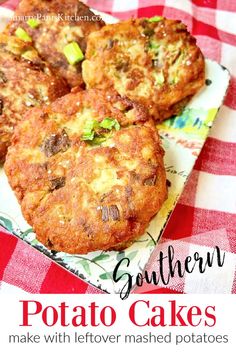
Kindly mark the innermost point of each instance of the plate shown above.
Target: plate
(182, 137)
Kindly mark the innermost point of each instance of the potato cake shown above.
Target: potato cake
(88, 171)
(25, 81)
(153, 61)
(59, 31)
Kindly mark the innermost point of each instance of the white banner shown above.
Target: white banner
(174, 323)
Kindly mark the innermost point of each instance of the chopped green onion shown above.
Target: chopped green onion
(73, 53)
(117, 125)
(33, 22)
(159, 78)
(23, 35)
(155, 19)
(88, 131)
(109, 123)
(91, 125)
(89, 135)
(154, 45)
(98, 140)
(175, 80)
(27, 55)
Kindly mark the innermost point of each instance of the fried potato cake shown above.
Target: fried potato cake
(88, 171)
(55, 25)
(154, 61)
(25, 81)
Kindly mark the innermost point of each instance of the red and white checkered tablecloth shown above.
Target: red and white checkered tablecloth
(205, 215)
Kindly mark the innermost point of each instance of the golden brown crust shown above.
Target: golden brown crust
(61, 22)
(155, 63)
(80, 197)
(23, 85)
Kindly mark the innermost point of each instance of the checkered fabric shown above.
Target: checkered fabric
(207, 207)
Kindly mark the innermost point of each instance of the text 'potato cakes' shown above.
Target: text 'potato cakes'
(59, 31)
(25, 81)
(153, 61)
(88, 171)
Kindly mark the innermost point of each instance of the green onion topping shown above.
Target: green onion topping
(109, 123)
(98, 140)
(89, 135)
(23, 35)
(155, 19)
(27, 55)
(73, 53)
(91, 124)
(175, 80)
(159, 78)
(89, 131)
(153, 45)
(33, 22)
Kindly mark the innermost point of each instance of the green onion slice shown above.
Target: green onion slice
(153, 45)
(155, 19)
(109, 123)
(33, 22)
(27, 55)
(159, 78)
(23, 35)
(88, 131)
(88, 135)
(91, 125)
(175, 80)
(73, 53)
(98, 140)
